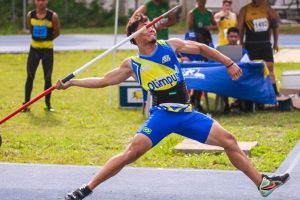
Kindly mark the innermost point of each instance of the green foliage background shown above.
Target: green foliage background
(72, 13)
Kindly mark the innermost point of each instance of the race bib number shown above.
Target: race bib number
(39, 31)
(261, 24)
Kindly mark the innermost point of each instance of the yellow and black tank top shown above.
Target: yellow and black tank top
(160, 73)
(257, 24)
(42, 30)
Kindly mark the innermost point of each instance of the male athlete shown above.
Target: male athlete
(44, 27)
(156, 68)
(257, 20)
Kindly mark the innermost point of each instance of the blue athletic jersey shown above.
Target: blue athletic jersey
(160, 71)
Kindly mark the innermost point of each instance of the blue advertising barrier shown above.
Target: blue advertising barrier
(254, 85)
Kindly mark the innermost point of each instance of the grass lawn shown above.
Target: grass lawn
(86, 130)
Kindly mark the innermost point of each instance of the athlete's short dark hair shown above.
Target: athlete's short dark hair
(133, 24)
(233, 30)
(227, 1)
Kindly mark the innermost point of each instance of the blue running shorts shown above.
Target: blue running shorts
(161, 123)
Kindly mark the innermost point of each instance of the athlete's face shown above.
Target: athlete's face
(227, 6)
(201, 3)
(233, 38)
(41, 4)
(147, 36)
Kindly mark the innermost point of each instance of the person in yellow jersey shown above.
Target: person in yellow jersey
(225, 19)
(157, 69)
(44, 27)
(257, 20)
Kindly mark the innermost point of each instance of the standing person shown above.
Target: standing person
(257, 20)
(44, 27)
(225, 19)
(156, 68)
(201, 17)
(153, 9)
(201, 21)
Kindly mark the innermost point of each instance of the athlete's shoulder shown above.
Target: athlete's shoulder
(162, 42)
(209, 11)
(243, 11)
(31, 13)
(126, 63)
(245, 7)
(133, 59)
(50, 11)
(194, 10)
(175, 43)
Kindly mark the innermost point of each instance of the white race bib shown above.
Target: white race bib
(261, 24)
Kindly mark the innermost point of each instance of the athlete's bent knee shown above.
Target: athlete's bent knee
(230, 142)
(130, 155)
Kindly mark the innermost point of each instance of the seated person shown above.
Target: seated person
(233, 50)
(237, 53)
(202, 36)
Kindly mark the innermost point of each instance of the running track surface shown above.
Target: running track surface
(50, 182)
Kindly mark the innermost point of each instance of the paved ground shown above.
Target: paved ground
(50, 182)
(20, 43)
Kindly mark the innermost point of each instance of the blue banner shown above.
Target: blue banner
(254, 85)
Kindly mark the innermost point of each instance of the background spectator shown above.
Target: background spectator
(201, 18)
(225, 19)
(44, 27)
(155, 8)
(257, 20)
(233, 38)
(201, 21)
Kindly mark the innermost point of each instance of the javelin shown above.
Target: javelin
(87, 65)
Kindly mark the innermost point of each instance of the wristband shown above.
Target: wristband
(228, 66)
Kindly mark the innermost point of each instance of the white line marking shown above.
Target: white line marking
(295, 161)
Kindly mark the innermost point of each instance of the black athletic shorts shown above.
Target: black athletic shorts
(260, 51)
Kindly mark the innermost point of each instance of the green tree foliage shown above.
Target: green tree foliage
(72, 13)
(8, 10)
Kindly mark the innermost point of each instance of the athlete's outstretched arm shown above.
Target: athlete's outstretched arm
(188, 46)
(113, 77)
